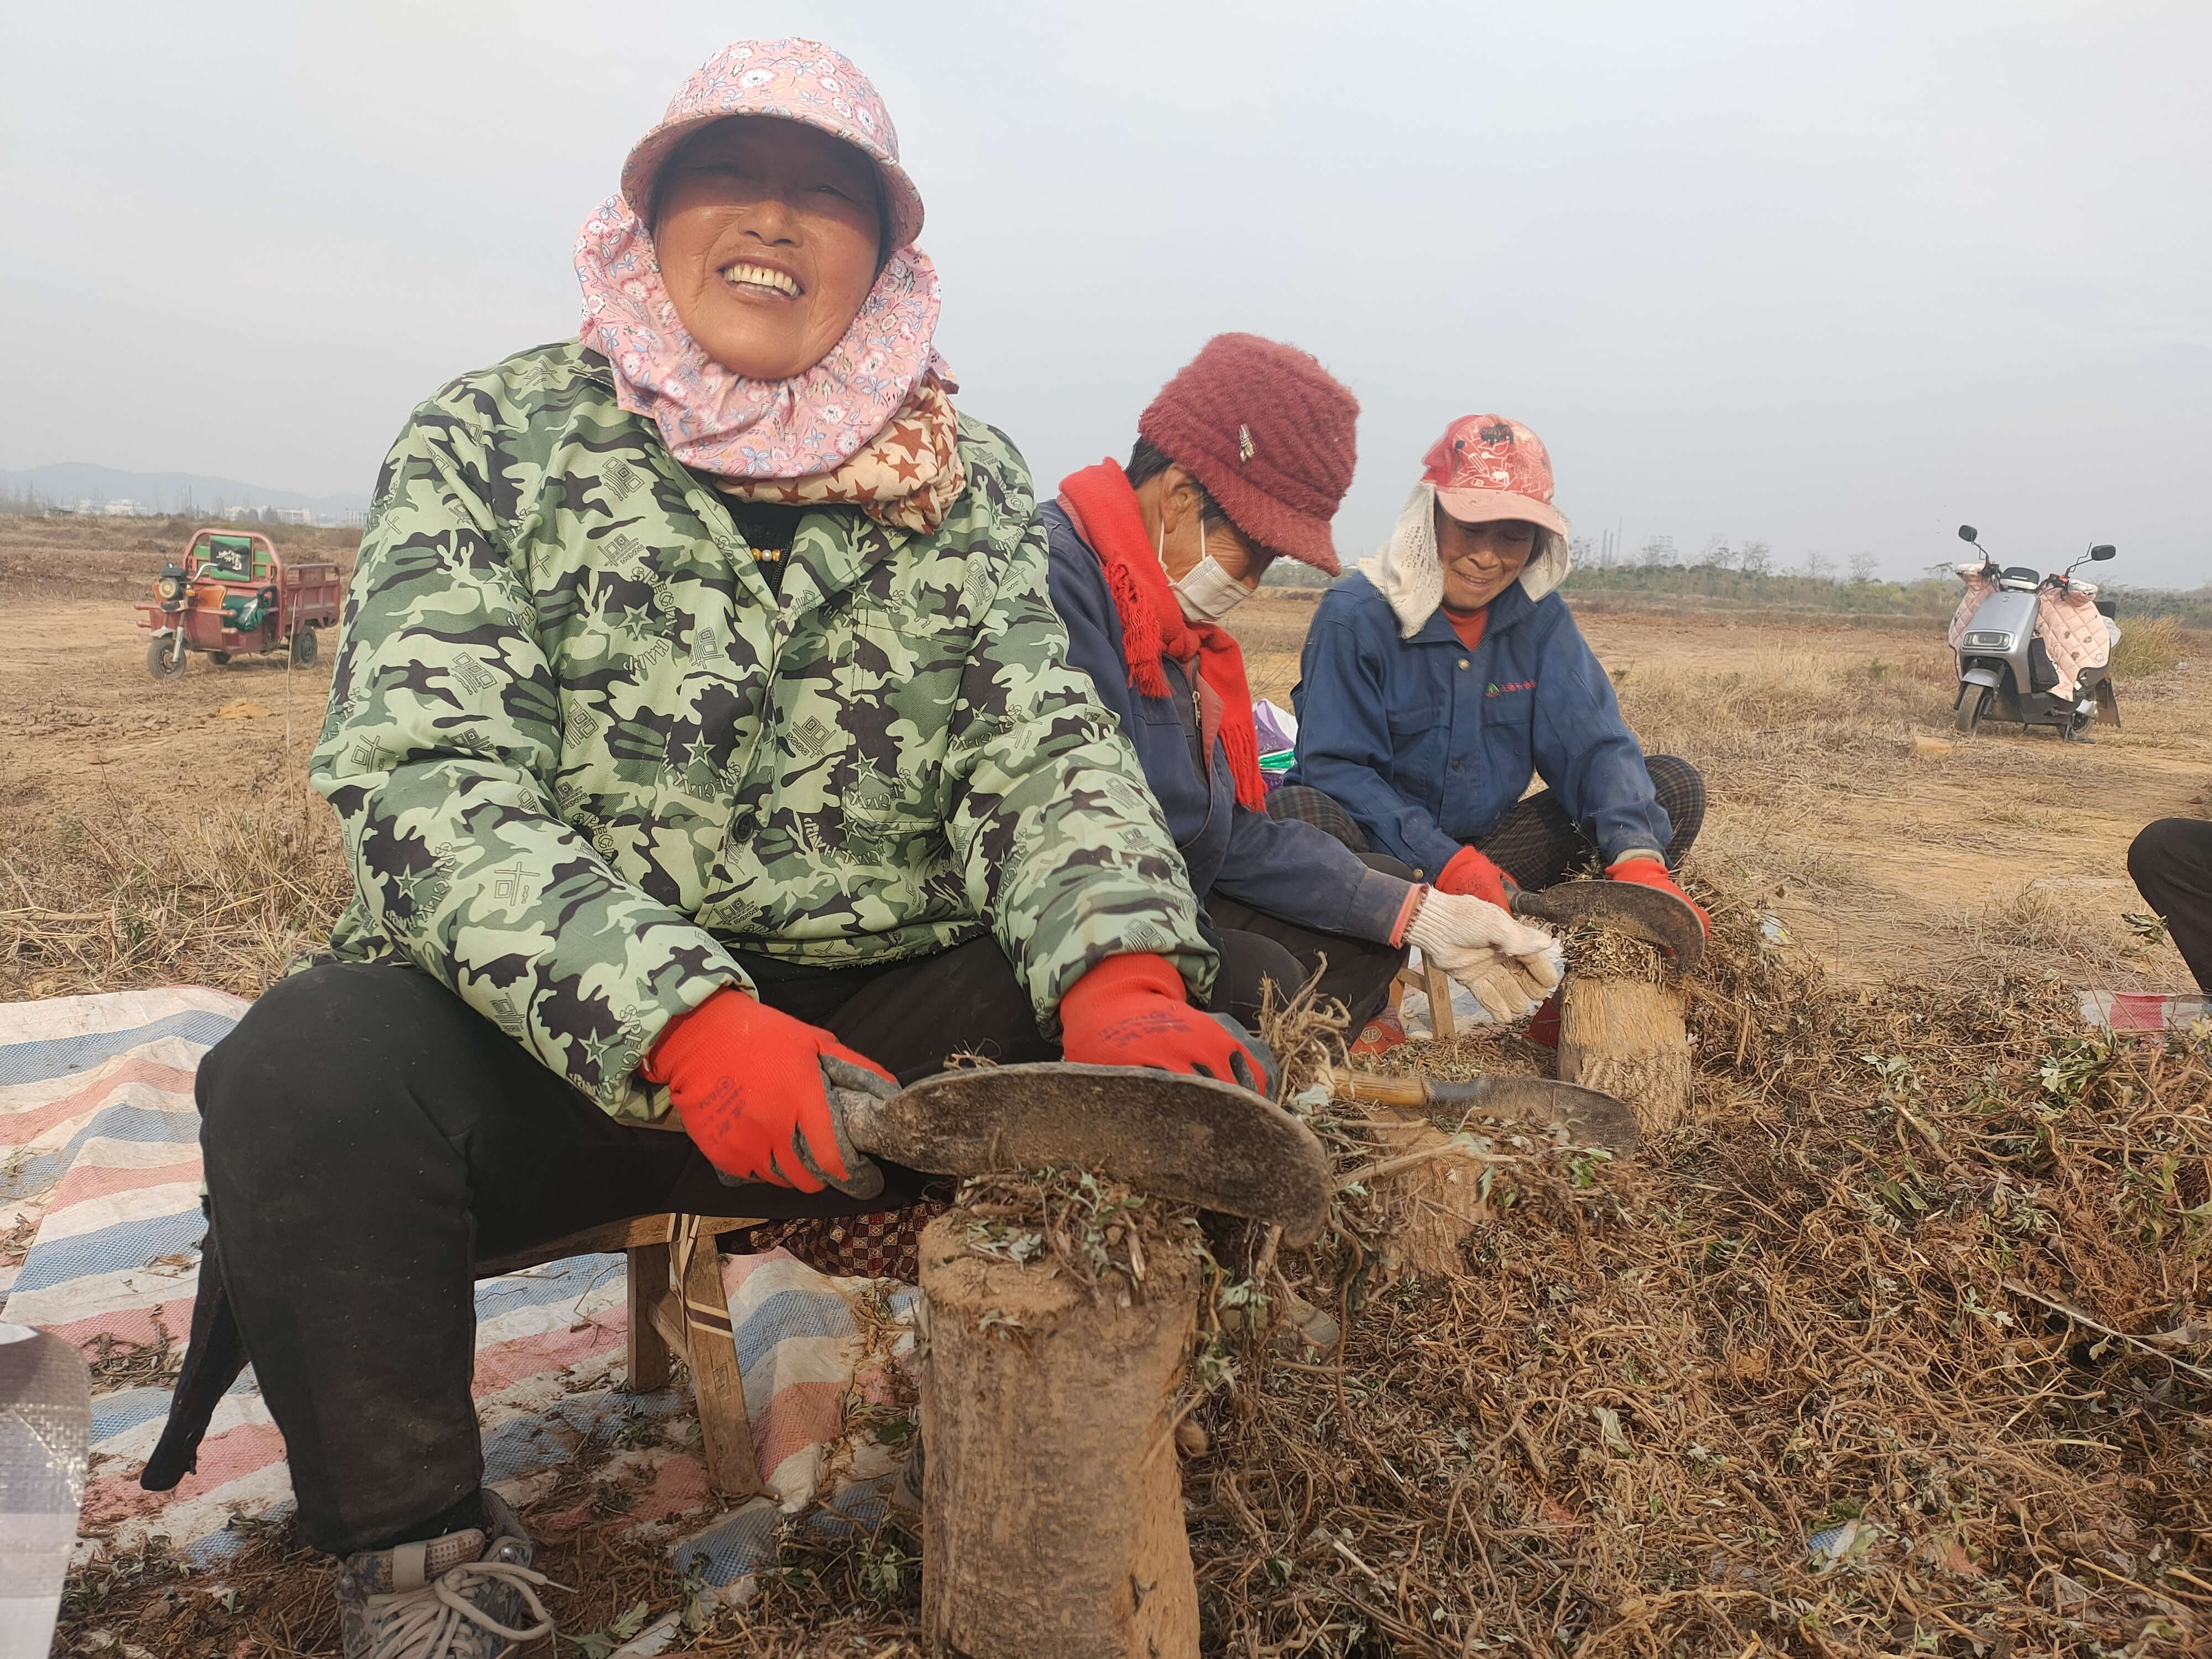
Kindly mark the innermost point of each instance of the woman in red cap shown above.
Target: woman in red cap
(1445, 672)
(1242, 458)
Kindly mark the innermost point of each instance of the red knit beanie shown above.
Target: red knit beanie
(1268, 431)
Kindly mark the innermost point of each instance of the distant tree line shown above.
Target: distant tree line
(1933, 595)
(1760, 588)
(2191, 610)
(1742, 575)
(1752, 558)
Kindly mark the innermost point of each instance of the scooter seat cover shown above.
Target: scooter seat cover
(2073, 631)
(1979, 587)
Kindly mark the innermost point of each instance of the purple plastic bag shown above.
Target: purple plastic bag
(1277, 728)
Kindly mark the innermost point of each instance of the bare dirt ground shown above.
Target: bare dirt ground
(81, 716)
(1997, 849)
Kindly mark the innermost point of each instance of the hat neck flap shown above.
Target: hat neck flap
(1410, 576)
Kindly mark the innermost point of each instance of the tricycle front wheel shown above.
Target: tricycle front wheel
(303, 647)
(162, 661)
(218, 658)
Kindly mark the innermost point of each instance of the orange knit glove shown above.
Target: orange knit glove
(748, 1084)
(1651, 872)
(1132, 1011)
(1471, 873)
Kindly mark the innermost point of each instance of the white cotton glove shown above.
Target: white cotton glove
(1507, 966)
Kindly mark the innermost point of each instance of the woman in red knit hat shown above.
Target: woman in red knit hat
(1242, 458)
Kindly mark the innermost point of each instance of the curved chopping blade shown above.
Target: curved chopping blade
(1592, 1117)
(1626, 907)
(1210, 1144)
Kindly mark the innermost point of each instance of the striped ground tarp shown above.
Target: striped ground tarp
(100, 1231)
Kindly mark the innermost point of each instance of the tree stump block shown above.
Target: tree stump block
(1627, 1037)
(1052, 1495)
(1432, 1191)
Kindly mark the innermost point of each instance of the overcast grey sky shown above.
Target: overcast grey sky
(1833, 277)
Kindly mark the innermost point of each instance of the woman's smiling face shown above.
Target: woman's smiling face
(1481, 561)
(767, 231)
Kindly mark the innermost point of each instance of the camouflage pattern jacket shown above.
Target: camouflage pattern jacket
(579, 751)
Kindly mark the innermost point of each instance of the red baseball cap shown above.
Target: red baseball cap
(1486, 468)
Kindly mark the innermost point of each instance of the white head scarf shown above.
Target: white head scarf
(1407, 572)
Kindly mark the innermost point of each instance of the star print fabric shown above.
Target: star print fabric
(908, 474)
(580, 753)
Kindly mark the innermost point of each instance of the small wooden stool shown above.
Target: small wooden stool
(1433, 980)
(677, 1305)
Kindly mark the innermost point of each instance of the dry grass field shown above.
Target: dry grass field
(154, 833)
(1898, 1347)
(151, 833)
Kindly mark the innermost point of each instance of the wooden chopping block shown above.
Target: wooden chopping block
(1052, 1495)
(1627, 1037)
(1431, 1189)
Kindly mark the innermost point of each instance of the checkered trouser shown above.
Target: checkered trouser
(882, 1244)
(1536, 843)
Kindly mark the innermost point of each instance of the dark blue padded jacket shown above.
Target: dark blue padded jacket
(1289, 869)
(1427, 744)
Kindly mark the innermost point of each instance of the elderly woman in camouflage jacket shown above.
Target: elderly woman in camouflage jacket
(702, 722)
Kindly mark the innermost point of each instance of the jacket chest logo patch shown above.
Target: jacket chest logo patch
(1497, 690)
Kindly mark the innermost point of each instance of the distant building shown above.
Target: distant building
(292, 515)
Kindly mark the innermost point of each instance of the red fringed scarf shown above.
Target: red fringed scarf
(1104, 508)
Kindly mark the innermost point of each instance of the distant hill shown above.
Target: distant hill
(67, 482)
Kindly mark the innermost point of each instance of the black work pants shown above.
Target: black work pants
(1356, 972)
(1539, 843)
(2171, 863)
(369, 1138)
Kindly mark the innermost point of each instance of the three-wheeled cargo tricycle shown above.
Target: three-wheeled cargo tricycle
(230, 594)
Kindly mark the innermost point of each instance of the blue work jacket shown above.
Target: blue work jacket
(1287, 869)
(1427, 744)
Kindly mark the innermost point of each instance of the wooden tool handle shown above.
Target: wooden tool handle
(1383, 1090)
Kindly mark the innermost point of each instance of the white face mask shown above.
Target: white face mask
(1206, 592)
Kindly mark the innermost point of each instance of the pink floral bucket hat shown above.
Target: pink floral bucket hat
(717, 422)
(800, 80)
